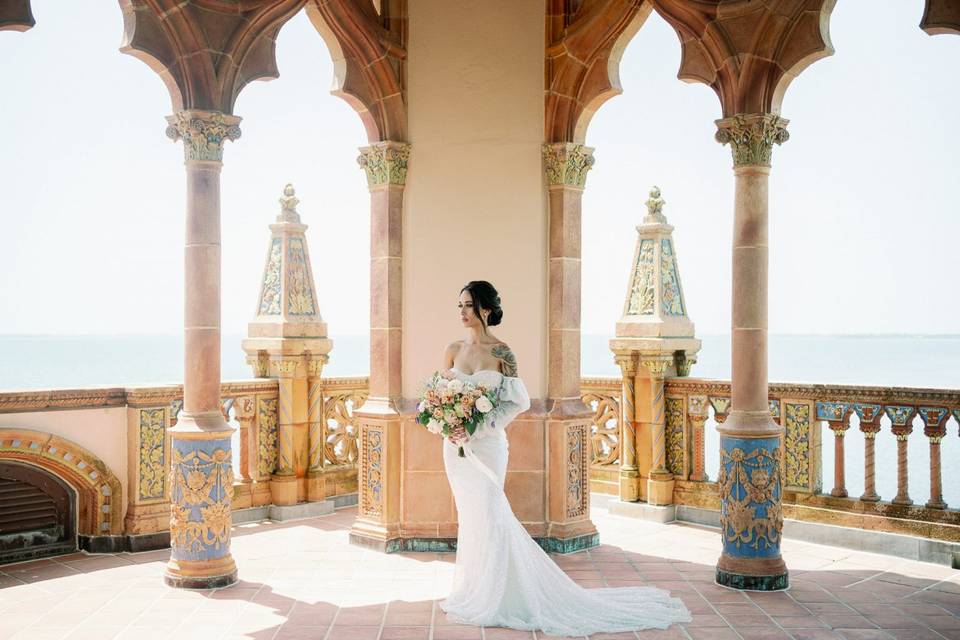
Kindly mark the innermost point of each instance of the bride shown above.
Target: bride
(502, 577)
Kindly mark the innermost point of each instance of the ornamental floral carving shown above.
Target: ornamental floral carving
(567, 164)
(340, 446)
(201, 487)
(578, 470)
(203, 133)
(605, 428)
(385, 163)
(797, 426)
(642, 287)
(749, 483)
(675, 439)
(299, 289)
(270, 294)
(152, 469)
(371, 471)
(751, 137)
(267, 432)
(672, 300)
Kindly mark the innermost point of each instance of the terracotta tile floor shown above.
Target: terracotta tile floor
(303, 580)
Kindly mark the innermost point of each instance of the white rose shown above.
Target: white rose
(421, 406)
(483, 404)
(441, 385)
(456, 386)
(434, 427)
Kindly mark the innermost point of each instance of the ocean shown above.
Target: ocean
(46, 362)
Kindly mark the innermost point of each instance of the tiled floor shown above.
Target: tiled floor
(302, 580)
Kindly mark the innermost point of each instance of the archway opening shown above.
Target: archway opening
(37, 513)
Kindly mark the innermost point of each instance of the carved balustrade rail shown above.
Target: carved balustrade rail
(888, 413)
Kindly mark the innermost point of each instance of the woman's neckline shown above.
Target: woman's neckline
(475, 372)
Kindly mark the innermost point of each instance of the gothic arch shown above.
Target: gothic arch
(99, 495)
(369, 54)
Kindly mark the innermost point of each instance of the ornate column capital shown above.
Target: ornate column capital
(203, 133)
(385, 163)
(286, 367)
(751, 137)
(566, 164)
(656, 366)
(627, 363)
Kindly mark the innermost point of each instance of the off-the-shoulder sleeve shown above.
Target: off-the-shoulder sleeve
(513, 400)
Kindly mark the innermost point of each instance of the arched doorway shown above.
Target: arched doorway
(37, 513)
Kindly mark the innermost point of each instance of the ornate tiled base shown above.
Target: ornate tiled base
(391, 545)
(753, 583)
(206, 582)
(569, 545)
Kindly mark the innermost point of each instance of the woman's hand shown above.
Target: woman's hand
(458, 435)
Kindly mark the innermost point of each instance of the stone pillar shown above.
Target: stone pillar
(288, 341)
(568, 419)
(202, 478)
(697, 413)
(869, 415)
(656, 332)
(934, 427)
(378, 521)
(837, 416)
(317, 432)
(629, 476)
(901, 418)
(750, 441)
(660, 481)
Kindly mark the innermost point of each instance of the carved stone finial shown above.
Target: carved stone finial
(288, 205)
(385, 163)
(567, 164)
(751, 137)
(203, 133)
(655, 207)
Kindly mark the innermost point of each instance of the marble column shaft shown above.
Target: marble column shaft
(200, 521)
(750, 436)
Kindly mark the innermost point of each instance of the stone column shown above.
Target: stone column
(629, 476)
(568, 419)
(317, 431)
(869, 415)
(697, 413)
(750, 441)
(934, 427)
(202, 478)
(291, 428)
(660, 481)
(378, 522)
(901, 418)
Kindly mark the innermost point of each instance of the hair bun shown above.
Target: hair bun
(495, 317)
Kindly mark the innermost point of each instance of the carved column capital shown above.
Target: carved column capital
(385, 163)
(566, 164)
(203, 133)
(751, 137)
(627, 363)
(656, 366)
(282, 367)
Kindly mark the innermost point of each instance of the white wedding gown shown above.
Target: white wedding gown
(502, 577)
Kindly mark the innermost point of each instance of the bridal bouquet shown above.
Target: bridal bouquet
(448, 402)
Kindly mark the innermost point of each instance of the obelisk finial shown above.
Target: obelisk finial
(288, 205)
(655, 207)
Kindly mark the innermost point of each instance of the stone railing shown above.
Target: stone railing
(603, 395)
(147, 413)
(883, 415)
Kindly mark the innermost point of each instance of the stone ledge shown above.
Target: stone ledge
(278, 513)
(129, 543)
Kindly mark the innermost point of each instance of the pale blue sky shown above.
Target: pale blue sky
(864, 211)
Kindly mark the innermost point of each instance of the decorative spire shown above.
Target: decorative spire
(654, 322)
(288, 205)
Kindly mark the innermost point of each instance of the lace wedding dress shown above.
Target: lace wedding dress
(502, 577)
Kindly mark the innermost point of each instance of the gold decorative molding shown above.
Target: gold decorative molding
(385, 163)
(203, 133)
(567, 164)
(751, 137)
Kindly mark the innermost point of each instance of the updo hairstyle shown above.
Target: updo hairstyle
(485, 296)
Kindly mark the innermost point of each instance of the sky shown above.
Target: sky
(864, 222)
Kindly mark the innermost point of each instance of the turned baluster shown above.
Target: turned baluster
(869, 415)
(697, 412)
(935, 428)
(837, 416)
(902, 418)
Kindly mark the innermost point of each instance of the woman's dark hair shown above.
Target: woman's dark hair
(484, 296)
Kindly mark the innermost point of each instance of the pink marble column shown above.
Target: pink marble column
(750, 433)
(200, 442)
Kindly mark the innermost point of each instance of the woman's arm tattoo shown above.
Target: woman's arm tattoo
(508, 361)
